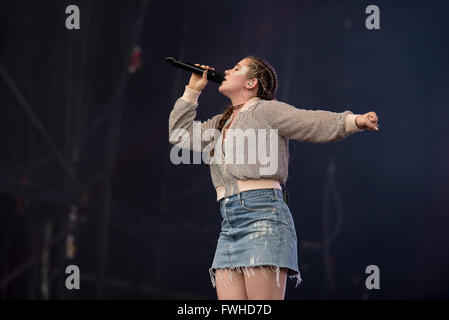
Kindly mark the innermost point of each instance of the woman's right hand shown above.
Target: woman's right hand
(198, 82)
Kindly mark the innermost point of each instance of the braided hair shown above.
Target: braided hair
(265, 74)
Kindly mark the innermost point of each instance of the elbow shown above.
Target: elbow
(173, 141)
(172, 138)
(178, 135)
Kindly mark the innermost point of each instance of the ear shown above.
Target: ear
(251, 83)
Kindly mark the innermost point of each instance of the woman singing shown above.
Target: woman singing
(257, 246)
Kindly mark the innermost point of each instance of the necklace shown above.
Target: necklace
(237, 106)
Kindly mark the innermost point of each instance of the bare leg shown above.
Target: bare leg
(230, 285)
(261, 283)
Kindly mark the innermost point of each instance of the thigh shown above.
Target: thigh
(262, 283)
(230, 285)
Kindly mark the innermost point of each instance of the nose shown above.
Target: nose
(227, 72)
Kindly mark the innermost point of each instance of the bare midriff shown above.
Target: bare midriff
(250, 184)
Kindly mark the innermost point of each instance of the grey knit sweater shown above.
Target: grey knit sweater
(258, 115)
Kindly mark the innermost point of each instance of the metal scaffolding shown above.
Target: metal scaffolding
(70, 194)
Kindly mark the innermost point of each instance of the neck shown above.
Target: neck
(241, 102)
(238, 98)
(238, 101)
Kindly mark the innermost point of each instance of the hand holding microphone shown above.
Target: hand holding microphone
(195, 68)
(198, 82)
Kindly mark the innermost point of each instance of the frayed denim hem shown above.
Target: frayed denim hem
(246, 270)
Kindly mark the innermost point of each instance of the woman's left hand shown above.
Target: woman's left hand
(367, 121)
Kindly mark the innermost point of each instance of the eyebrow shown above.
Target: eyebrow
(238, 65)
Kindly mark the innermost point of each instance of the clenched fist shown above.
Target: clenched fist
(367, 121)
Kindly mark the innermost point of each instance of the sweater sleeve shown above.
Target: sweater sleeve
(183, 130)
(316, 126)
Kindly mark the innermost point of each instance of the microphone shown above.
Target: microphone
(212, 75)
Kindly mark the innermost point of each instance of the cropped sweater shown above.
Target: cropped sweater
(268, 152)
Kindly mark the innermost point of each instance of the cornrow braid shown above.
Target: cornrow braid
(264, 72)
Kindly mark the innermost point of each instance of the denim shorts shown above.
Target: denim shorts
(257, 230)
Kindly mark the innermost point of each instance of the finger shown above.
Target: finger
(372, 117)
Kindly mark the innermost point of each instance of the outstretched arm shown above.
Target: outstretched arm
(317, 126)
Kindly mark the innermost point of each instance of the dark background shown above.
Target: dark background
(85, 152)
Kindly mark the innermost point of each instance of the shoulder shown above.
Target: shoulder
(215, 119)
(267, 108)
(273, 104)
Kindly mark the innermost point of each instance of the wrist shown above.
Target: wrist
(191, 95)
(350, 123)
(193, 89)
(357, 122)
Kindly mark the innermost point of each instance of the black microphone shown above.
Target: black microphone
(212, 75)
